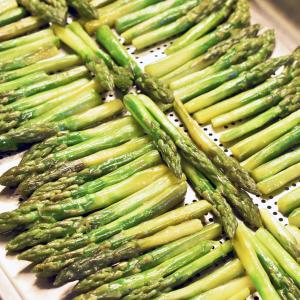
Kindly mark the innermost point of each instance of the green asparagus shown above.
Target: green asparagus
(289, 202)
(84, 8)
(12, 15)
(294, 218)
(7, 5)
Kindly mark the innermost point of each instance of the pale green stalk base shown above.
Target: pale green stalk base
(289, 202)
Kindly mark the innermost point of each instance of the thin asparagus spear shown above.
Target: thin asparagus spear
(276, 165)
(215, 13)
(203, 13)
(160, 19)
(7, 5)
(245, 80)
(294, 218)
(238, 198)
(287, 241)
(259, 140)
(289, 202)
(50, 11)
(124, 23)
(277, 181)
(294, 231)
(181, 275)
(84, 8)
(220, 276)
(149, 85)
(12, 15)
(100, 3)
(250, 261)
(290, 266)
(238, 19)
(273, 150)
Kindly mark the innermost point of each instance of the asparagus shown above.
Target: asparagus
(225, 69)
(259, 140)
(220, 276)
(277, 181)
(227, 290)
(239, 18)
(238, 198)
(201, 13)
(272, 150)
(212, 55)
(255, 107)
(294, 218)
(182, 274)
(158, 20)
(124, 23)
(289, 202)
(7, 5)
(51, 11)
(294, 231)
(247, 79)
(288, 242)
(124, 286)
(230, 166)
(84, 8)
(100, 3)
(211, 18)
(290, 266)
(250, 261)
(12, 15)
(276, 165)
(153, 87)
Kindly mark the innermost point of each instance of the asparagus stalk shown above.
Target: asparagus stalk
(100, 3)
(149, 85)
(272, 150)
(277, 181)
(7, 5)
(51, 11)
(238, 198)
(276, 165)
(162, 18)
(247, 79)
(84, 8)
(257, 141)
(241, 295)
(289, 202)
(227, 290)
(212, 55)
(203, 13)
(250, 261)
(12, 15)
(239, 18)
(287, 241)
(294, 218)
(290, 266)
(124, 23)
(294, 231)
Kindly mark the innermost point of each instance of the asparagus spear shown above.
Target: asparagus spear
(294, 218)
(259, 140)
(277, 181)
(162, 18)
(290, 266)
(212, 55)
(241, 295)
(51, 11)
(153, 87)
(276, 165)
(124, 23)
(238, 19)
(247, 79)
(12, 15)
(274, 149)
(290, 201)
(238, 198)
(84, 8)
(250, 261)
(294, 231)
(201, 13)
(100, 3)
(288, 242)
(7, 5)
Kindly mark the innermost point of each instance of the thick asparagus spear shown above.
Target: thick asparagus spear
(84, 8)
(160, 19)
(149, 85)
(289, 202)
(12, 15)
(238, 19)
(7, 5)
(200, 15)
(147, 260)
(290, 266)
(287, 241)
(294, 218)
(251, 263)
(51, 11)
(276, 165)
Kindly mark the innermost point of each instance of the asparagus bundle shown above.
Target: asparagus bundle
(147, 260)
(12, 15)
(149, 85)
(203, 15)
(294, 218)
(239, 19)
(289, 202)
(238, 198)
